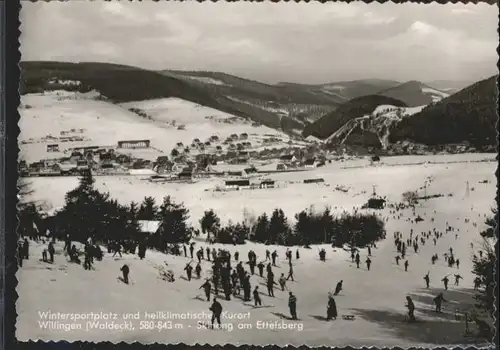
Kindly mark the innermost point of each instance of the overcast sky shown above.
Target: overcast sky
(271, 42)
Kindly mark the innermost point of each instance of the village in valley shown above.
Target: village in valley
(203, 207)
(238, 161)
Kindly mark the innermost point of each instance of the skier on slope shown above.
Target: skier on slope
(290, 272)
(216, 309)
(282, 281)
(322, 255)
(191, 249)
(331, 310)
(270, 284)
(338, 288)
(51, 251)
(125, 272)
(207, 287)
(368, 263)
(189, 270)
(411, 309)
(445, 281)
(274, 256)
(438, 300)
(260, 266)
(292, 305)
(256, 297)
(198, 270)
(427, 280)
(26, 249)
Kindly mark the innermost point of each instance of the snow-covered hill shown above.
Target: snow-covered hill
(92, 120)
(436, 95)
(415, 93)
(378, 124)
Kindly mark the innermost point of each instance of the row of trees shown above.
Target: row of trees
(484, 266)
(90, 213)
(310, 228)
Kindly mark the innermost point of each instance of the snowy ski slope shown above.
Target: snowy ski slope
(375, 297)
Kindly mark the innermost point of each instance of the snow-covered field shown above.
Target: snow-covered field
(105, 123)
(375, 297)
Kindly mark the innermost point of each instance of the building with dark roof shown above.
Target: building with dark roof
(237, 184)
(267, 184)
(313, 181)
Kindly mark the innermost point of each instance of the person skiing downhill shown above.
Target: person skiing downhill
(142, 250)
(406, 265)
(189, 270)
(256, 297)
(216, 309)
(292, 305)
(207, 287)
(274, 256)
(270, 284)
(331, 311)
(282, 281)
(125, 272)
(26, 249)
(427, 280)
(438, 300)
(411, 309)
(368, 263)
(445, 281)
(338, 288)
(290, 273)
(457, 278)
(117, 249)
(260, 266)
(198, 270)
(51, 251)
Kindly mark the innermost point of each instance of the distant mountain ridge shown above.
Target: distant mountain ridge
(469, 115)
(339, 112)
(121, 83)
(414, 93)
(347, 90)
